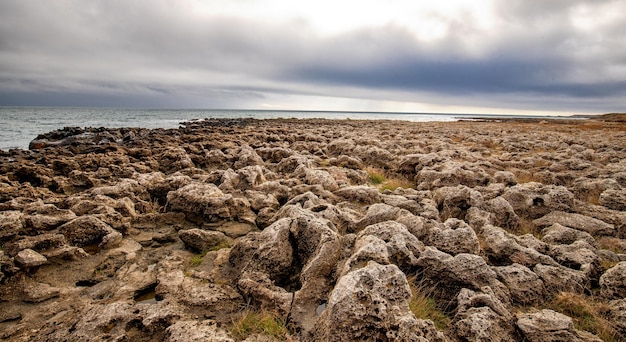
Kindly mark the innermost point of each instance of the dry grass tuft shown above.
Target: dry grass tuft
(265, 323)
(423, 305)
(588, 313)
(377, 176)
(394, 183)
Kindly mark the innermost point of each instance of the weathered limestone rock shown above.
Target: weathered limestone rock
(454, 237)
(533, 200)
(503, 248)
(550, 326)
(613, 282)
(371, 303)
(503, 213)
(28, 258)
(196, 331)
(39, 292)
(525, 286)
(559, 234)
(578, 255)
(39, 243)
(560, 278)
(451, 274)
(613, 199)
(453, 202)
(360, 193)
(201, 240)
(10, 223)
(89, 230)
(577, 221)
(39, 216)
(206, 202)
(482, 317)
(247, 157)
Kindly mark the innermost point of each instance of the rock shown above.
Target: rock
(28, 258)
(587, 224)
(559, 234)
(503, 248)
(524, 285)
(196, 331)
(578, 255)
(547, 326)
(372, 303)
(533, 200)
(451, 274)
(89, 230)
(247, 157)
(40, 216)
(617, 314)
(263, 292)
(503, 213)
(377, 213)
(560, 278)
(39, 292)
(613, 199)
(201, 240)
(453, 202)
(39, 243)
(361, 193)
(454, 237)
(613, 282)
(480, 316)
(318, 177)
(10, 223)
(207, 203)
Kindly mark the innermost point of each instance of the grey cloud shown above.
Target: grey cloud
(156, 52)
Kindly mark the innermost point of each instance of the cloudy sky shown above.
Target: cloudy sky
(513, 56)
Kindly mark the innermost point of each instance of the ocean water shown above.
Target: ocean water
(20, 125)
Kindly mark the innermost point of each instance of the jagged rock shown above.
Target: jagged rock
(260, 200)
(28, 258)
(371, 303)
(579, 255)
(453, 237)
(613, 199)
(533, 200)
(360, 193)
(613, 282)
(451, 274)
(10, 223)
(269, 251)
(348, 162)
(559, 234)
(524, 285)
(451, 173)
(482, 317)
(503, 248)
(201, 240)
(617, 314)
(402, 203)
(385, 242)
(453, 202)
(318, 177)
(206, 202)
(377, 213)
(577, 221)
(39, 292)
(194, 331)
(247, 157)
(89, 230)
(124, 188)
(38, 243)
(560, 278)
(550, 326)
(503, 213)
(505, 177)
(39, 216)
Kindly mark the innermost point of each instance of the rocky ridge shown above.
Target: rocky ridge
(332, 228)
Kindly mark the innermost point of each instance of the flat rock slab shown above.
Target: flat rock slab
(577, 221)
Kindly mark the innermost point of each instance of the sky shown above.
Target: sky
(445, 56)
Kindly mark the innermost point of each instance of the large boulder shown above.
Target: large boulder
(533, 200)
(372, 303)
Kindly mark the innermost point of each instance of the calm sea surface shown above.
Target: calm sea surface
(20, 125)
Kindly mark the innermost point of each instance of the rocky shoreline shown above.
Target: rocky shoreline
(316, 230)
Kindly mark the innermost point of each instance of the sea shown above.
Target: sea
(20, 125)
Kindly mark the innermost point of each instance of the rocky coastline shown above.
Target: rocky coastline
(317, 230)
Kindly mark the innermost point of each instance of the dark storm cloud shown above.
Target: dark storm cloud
(159, 53)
